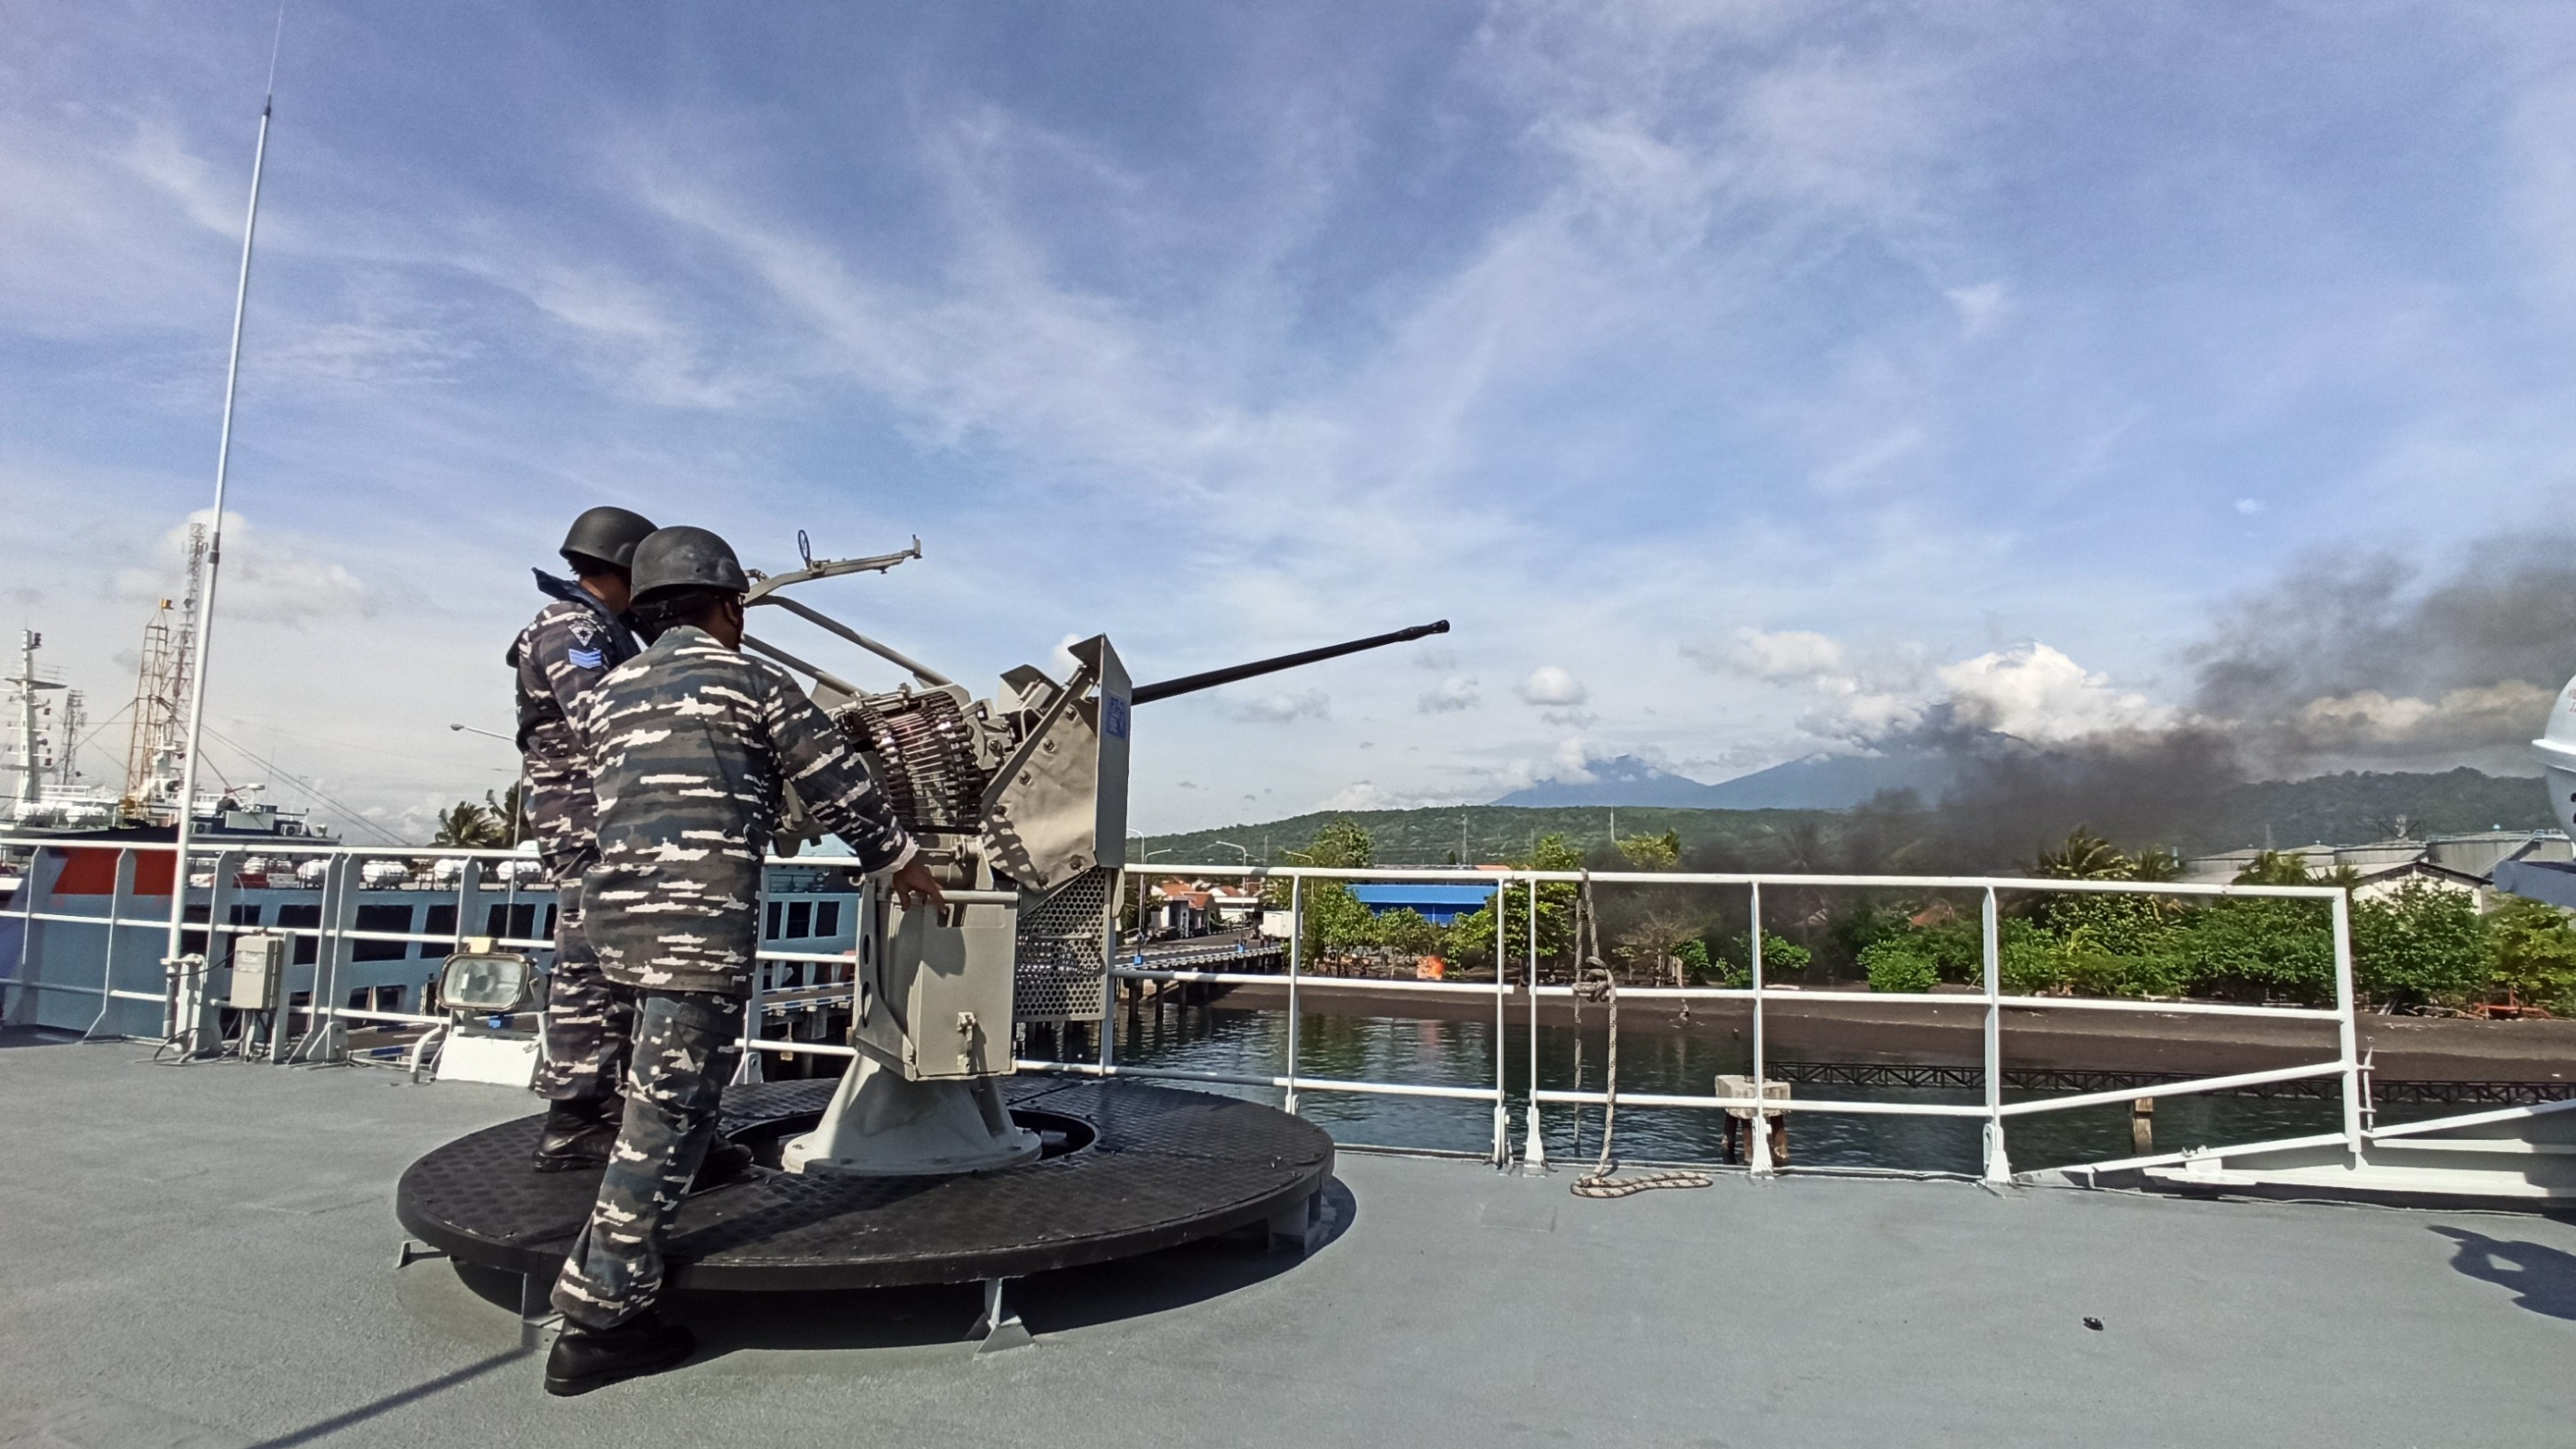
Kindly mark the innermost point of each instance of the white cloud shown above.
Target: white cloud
(1062, 656)
(1552, 686)
(2033, 691)
(266, 574)
(1368, 795)
(1456, 692)
(1281, 708)
(1787, 654)
(2037, 693)
(2373, 723)
(1572, 762)
(2249, 506)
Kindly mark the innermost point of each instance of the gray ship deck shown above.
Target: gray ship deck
(203, 1256)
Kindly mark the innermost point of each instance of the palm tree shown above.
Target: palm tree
(469, 825)
(509, 814)
(2085, 856)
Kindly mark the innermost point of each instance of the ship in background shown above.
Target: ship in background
(50, 795)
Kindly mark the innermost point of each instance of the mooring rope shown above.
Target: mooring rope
(1593, 981)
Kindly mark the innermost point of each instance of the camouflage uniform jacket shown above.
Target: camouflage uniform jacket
(693, 744)
(572, 643)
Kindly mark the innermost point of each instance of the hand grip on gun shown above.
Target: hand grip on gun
(914, 886)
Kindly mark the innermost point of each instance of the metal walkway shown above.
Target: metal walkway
(203, 1256)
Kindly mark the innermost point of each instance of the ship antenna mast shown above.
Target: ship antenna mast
(195, 663)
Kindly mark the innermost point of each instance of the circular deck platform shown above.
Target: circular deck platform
(1130, 1169)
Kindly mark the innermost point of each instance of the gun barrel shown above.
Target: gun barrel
(1192, 683)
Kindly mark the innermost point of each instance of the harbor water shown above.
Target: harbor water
(1461, 1053)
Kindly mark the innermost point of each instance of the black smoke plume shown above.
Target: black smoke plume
(2350, 661)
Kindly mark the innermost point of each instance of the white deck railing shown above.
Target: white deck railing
(181, 998)
(1529, 992)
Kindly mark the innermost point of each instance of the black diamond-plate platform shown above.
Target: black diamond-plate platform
(1160, 1168)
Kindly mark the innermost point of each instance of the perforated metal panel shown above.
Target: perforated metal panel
(1062, 957)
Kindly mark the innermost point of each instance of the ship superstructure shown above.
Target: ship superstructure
(46, 715)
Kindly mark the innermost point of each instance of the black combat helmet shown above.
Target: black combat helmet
(606, 535)
(675, 559)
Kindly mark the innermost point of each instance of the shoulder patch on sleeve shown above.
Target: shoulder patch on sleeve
(585, 658)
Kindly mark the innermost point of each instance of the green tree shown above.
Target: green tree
(1472, 937)
(1902, 963)
(509, 814)
(470, 826)
(1337, 925)
(1652, 852)
(2275, 867)
(2157, 863)
(2260, 948)
(2532, 954)
(2085, 856)
(2420, 945)
(1343, 844)
(1405, 932)
(1864, 925)
(1955, 950)
(1780, 957)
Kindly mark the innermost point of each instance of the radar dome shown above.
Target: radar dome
(2557, 750)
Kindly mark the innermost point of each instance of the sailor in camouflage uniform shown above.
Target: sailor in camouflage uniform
(693, 744)
(573, 642)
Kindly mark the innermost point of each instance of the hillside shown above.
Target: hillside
(2341, 808)
(1491, 832)
(2354, 807)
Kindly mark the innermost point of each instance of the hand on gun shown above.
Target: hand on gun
(914, 886)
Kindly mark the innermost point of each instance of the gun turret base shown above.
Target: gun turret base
(1129, 1168)
(880, 1125)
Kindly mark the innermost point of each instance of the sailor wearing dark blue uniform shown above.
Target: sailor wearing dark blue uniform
(574, 641)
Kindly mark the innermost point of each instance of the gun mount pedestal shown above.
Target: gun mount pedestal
(880, 1125)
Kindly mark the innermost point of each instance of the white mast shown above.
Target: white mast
(205, 631)
(30, 767)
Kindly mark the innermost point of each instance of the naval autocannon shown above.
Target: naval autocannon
(928, 1161)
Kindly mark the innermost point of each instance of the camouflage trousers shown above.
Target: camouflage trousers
(684, 1054)
(590, 1024)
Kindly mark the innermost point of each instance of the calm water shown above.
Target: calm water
(1460, 1053)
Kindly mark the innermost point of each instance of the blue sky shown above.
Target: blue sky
(1738, 378)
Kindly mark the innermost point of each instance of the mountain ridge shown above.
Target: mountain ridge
(2345, 808)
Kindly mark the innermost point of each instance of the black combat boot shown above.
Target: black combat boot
(579, 1133)
(593, 1358)
(725, 1161)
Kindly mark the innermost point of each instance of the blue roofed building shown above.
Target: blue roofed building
(1438, 904)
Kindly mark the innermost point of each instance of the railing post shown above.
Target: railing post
(1998, 1164)
(118, 903)
(325, 1036)
(2347, 1034)
(469, 900)
(748, 1068)
(26, 1007)
(1502, 985)
(1296, 960)
(1534, 1151)
(196, 1021)
(174, 985)
(1757, 1127)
